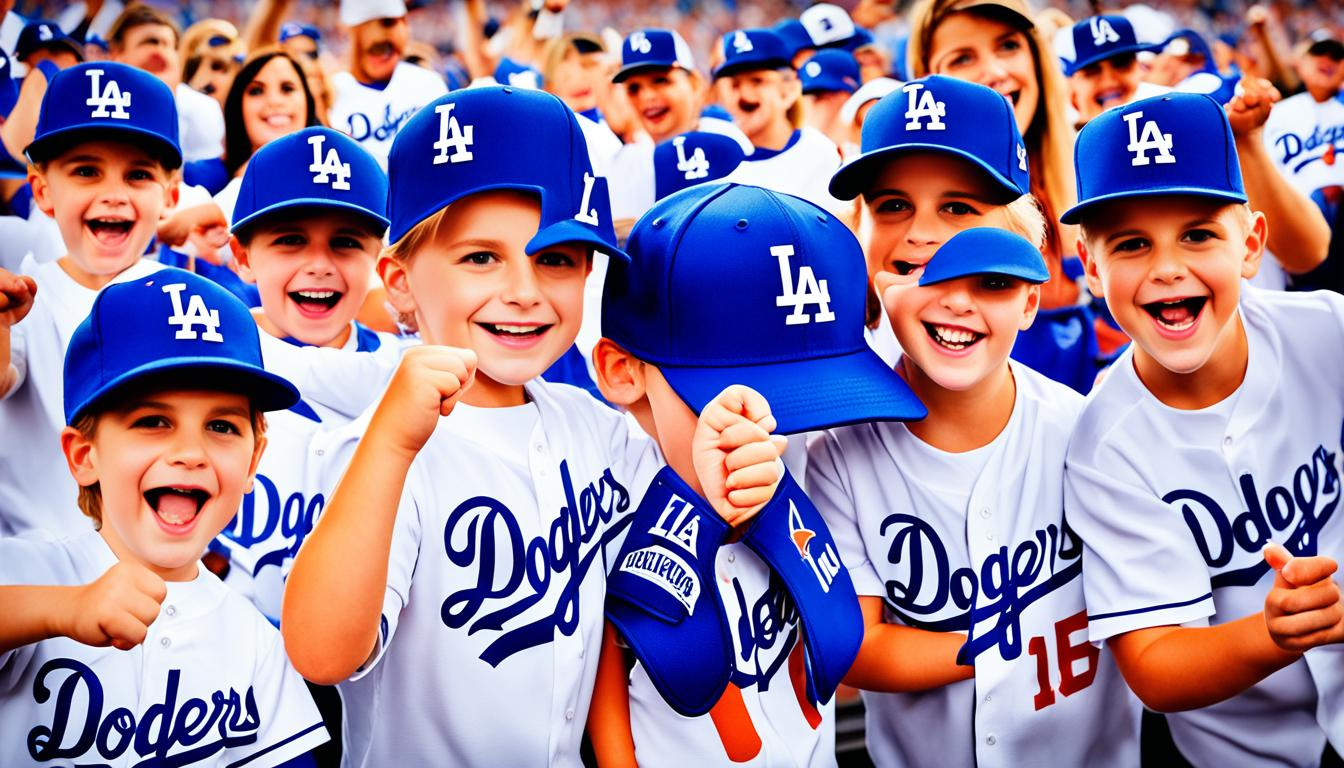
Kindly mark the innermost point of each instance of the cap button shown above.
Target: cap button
(741, 224)
(658, 223)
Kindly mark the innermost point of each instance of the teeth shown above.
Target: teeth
(317, 295)
(515, 329)
(279, 120)
(953, 335)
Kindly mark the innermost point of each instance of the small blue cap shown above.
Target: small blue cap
(9, 87)
(747, 49)
(518, 75)
(175, 324)
(697, 157)
(96, 41)
(37, 35)
(985, 251)
(1174, 144)
(495, 137)
(106, 100)
(653, 49)
(312, 168)
(733, 284)
(831, 69)
(940, 114)
(1101, 37)
(294, 29)
(794, 35)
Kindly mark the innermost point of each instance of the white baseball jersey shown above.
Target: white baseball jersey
(632, 179)
(279, 513)
(373, 116)
(1175, 506)
(200, 124)
(1303, 135)
(803, 168)
(976, 542)
(493, 613)
(210, 685)
(769, 673)
(36, 489)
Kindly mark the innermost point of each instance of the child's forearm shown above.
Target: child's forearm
(1173, 669)
(899, 659)
(1299, 235)
(334, 594)
(609, 715)
(31, 614)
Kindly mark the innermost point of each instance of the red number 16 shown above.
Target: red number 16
(1067, 655)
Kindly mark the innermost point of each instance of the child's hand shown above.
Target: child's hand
(16, 297)
(117, 609)
(736, 458)
(1302, 609)
(426, 385)
(1248, 111)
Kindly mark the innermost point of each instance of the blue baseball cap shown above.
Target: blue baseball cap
(697, 157)
(172, 324)
(1174, 144)
(496, 137)
(748, 49)
(985, 251)
(312, 168)
(1097, 38)
(9, 87)
(653, 49)
(828, 25)
(37, 35)
(830, 69)
(106, 100)
(734, 284)
(794, 35)
(517, 74)
(940, 114)
(294, 29)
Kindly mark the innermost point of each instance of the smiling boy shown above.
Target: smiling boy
(1213, 437)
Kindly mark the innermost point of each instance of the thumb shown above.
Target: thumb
(781, 443)
(1277, 556)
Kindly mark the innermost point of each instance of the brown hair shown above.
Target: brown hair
(237, 144)
(139, 15)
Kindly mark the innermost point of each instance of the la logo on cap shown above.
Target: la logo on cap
(827, 566)
(694, 167)
(923, 105)
(324, 170)
(1102, 31)
(639, 43)
(453, 136)
(741, 43)
(808, 290)
(1151, 138)
(196, 314)
(110, 97)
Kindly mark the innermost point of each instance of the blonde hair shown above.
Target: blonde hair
(558, 49)
(1049, 137)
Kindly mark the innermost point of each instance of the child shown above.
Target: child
(662, 359)
(164, 395)
(1215, 436)
(762, 92)
(965, 567)
(1100, 58)
(102, 164)
(309, 224)
(456, 576)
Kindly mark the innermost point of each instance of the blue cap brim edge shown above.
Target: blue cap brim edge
(1070, 67)
(309, 202)
(101, 132)
(1072, 215)
(268, 393)
(845, 183)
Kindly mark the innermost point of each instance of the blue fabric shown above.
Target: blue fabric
(107, 100)
(750, 49)
(21, 204)
(765, 154)
(717, 112)
(663, 598)
(1102, 37)
(696, 157)
(792, 538)
(571, 368)
(1062, 344)
(985, 251)
(246, 292)
(210, 174)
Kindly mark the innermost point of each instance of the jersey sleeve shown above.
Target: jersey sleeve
(1141, 568)
(829, 488)
(328, 376)
(18, 358)
(290, 723)
(635, 460)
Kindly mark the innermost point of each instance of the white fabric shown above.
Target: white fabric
(227, 198)
(372, 116)
(211, 677)
(356, 12)
(73, 14)
(487, 488)
(1297, 134)
(36, 489)
(941, 537)
(200, 124)
(1174, 507)
(803, 170)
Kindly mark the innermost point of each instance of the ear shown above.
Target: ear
(397, 280)
(620, 375)
(1033, 306)
(1257, 235)
(1090, 268)
(242, 260)
(257, 450)
(172, 192)
(41, 192)
(793, 89)
(79, 457)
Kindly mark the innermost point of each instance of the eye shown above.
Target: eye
(995, 283)
(1131, 245)
(1011, 45)
(254, 90)
(960, 60)
(292, 239)
(1198, 236)
(957, 208)
(288, 88)
(893, 205)
(150, 422)
(84, 171)
(479, 258)
(345, 242)
(223, 427)
(554, 259)
(140, 174)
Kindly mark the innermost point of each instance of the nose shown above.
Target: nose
(187, 449)
(319, 262)
(520, 287)
(1166, 266)
(956, 297)
(925, 230)
(112, 193)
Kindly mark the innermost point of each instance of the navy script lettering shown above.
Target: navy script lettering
(361, 127)
(294, 518)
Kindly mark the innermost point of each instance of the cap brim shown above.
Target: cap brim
(849, 181)
(626, 72)
(995, 7)
(1015, 271)
(55, 142)
(570, 231)
(829, 86)
(267, 391)
(1073, 215)
(811, 394)
(310, 202)
(1070, 68)
(747, 66)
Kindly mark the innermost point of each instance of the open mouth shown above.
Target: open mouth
(315, 302)
(1109, 96)
(654, 114)
(176, 507)
(747, 107)
(380, 50)
(278, 121)
(511, 332)
(905, 267)
(109, 231)
(952, 338)
(1177, 314)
